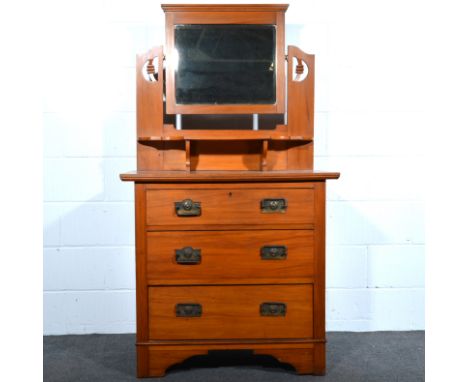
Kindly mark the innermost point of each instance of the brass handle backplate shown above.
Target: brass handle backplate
(274, 252)
(188, 310)
(273, 309)
(188, 255)
(274, 205)
(188, 207)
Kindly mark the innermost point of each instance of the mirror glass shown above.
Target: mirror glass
(225, 64)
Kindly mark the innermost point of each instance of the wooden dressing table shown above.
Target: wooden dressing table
(230, 214)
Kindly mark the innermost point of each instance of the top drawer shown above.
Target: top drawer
(229, 206)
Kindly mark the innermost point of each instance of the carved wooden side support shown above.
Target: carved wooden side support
(187, 156)
(264, 163)
(149, 76)
(301, 106)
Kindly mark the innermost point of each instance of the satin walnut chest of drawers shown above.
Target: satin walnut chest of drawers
(241, 266)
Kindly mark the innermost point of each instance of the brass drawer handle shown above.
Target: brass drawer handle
(188, 255)
(274, 252)
(188, 310)
(273, 309)
(188, 207)
(269, 206)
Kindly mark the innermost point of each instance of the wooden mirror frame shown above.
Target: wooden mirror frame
(272, 14)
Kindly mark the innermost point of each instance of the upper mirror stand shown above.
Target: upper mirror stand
(168, 146)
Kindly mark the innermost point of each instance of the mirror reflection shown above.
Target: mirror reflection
(225, 64)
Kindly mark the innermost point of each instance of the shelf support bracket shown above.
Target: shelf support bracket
(264, 155)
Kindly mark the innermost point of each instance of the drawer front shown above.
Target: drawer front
(197, 256)
(215, 312)
(183, 207)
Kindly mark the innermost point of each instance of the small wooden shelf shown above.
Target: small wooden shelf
(188, 140)
(223, 135)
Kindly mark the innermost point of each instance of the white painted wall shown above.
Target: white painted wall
(368, 123)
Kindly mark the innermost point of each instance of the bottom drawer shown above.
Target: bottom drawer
(218, 312)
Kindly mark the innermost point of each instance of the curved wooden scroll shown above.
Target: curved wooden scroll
(149, 107)
(301, 108)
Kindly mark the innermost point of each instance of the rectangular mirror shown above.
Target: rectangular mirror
(220, 64)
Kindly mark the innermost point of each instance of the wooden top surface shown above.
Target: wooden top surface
(224, 7)
(226, 176)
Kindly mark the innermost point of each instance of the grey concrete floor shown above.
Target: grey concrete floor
(360, 357)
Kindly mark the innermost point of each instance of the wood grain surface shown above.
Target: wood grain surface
(230, 256)
(231, 312)
(230, 206)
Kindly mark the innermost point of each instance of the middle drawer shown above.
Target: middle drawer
(175, 257)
